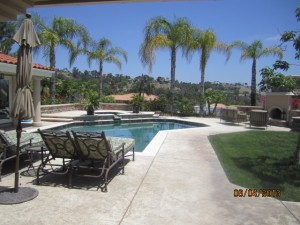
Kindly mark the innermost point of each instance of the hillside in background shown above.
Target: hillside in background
(69, 84)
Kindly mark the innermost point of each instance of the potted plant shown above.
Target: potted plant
(90, 101)
(137, 102)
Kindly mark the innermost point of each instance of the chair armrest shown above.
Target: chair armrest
(120, 147)
(25, 143)
(26, 140)
(120, 150)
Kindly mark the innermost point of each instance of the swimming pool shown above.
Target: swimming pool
(142, 132)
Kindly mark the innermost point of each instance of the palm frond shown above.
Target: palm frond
(102, 51)
(274, 51)
(157, 25)
(147, 56)
(224, 48)
(116, 61)
(117, 51)
(74, 51)
(239, 44)
(104, 44)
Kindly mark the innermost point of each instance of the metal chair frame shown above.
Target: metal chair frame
(60, 145)
(96, 149)
(6, 152)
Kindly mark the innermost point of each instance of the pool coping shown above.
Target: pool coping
(153, 146)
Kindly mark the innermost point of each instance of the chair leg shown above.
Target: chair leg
(38, 175)
(123, 162)
(1, 163)
(133, 154)
(70, 177)
(105, 181)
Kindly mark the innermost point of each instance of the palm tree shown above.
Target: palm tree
(61, 32)
(102, 51)
(204, 42)
(143, 84)
(255, 51)
(7, 31)
(160, 33)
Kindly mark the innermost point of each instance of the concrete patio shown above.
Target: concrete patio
(179, 180)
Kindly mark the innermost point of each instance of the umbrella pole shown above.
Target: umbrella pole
(18, 131)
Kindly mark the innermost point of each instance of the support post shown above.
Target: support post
(37, 101)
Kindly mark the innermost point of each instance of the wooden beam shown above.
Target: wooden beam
(7, 12)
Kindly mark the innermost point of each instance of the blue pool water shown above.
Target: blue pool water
(143, 133)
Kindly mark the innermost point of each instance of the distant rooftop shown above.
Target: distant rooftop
(128, 97)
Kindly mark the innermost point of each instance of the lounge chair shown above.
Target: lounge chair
(61, 154)
(8, 145)
(99, 154)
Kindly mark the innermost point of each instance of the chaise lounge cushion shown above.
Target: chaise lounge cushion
(11, 138)
(115, 142)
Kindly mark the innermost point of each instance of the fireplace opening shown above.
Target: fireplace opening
(276, 114)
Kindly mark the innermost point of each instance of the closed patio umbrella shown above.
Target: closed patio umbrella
(23, 108)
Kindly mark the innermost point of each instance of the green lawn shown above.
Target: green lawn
(260, 160)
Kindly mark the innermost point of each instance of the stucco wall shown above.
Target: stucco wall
(116, 106)
(279, 101)
(70, 107)
(59, 108)
(291, 114)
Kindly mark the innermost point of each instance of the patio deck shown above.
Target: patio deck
(183, 183)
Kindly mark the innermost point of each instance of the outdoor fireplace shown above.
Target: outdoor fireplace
(278, 105)
(277, 114)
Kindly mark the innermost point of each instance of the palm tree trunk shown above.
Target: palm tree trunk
(52, 79)
(208, 106)
(253, 84)
(173, 67)
(100, 78)
(202, 68)
(141, 85)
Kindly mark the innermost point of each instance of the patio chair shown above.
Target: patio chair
(61, 154)
(233, 115)
(259, 118)
(99, 154)
(8, 145)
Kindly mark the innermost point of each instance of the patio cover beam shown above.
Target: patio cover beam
(11, 8)
(10, 70)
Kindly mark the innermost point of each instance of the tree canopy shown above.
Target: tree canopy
(159, 33)
(255, 51)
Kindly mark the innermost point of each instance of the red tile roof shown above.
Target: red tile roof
(12, 60)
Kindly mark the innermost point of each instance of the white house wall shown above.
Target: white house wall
(10, 70)
(9, 73)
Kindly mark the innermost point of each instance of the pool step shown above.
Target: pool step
(49, 119)
(84, 117)
(56, 116)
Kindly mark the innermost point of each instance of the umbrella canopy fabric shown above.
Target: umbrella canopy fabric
(27, 38)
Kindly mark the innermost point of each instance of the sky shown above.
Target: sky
(231, 20)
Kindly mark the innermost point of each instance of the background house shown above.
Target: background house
(8, 66)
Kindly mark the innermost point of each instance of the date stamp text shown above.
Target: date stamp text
(275, 193)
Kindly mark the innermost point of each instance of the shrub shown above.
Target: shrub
(107, 99)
